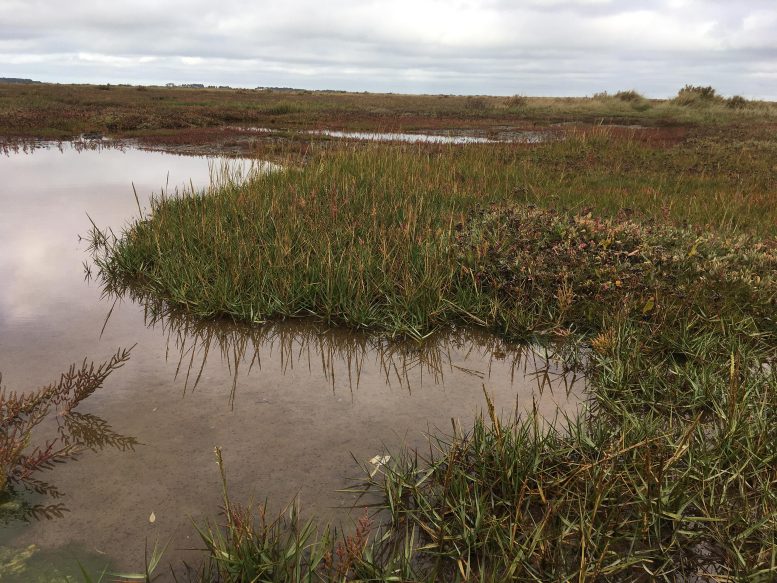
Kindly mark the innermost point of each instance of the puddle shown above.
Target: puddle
(514, 136)
(290, 404)
(401, 137)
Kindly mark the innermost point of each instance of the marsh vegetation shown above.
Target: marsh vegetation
(657, 261)
(645, 256)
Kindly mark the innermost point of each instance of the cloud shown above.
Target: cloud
(555, 47)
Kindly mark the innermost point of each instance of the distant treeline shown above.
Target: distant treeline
(17, 80)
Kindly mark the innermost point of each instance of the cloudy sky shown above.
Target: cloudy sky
(504, 47)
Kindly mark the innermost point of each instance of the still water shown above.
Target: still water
(292, 405)
(514, 136)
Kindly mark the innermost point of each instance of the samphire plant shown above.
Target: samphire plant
(23, 455)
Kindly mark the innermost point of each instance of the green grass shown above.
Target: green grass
(372, 236)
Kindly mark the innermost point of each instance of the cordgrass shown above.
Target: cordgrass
(386, 237)
(655, 263)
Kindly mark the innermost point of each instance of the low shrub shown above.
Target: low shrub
(629, 95)
(737, 102)
(697, 95)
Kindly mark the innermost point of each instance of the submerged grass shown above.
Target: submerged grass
(671, 472)
(25, 454)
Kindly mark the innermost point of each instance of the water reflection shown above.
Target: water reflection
(513, 136)
(403, 137)
(84, 143)
(503, 136)
(404, 365)
(48, 192)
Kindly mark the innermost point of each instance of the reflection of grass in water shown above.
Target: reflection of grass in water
(23, 457)
(307, 344)
(32, 565)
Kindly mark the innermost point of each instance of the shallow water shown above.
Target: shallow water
(516, 136)
(290, 404)
(403, 137)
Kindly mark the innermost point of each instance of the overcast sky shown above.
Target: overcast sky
(504, 47)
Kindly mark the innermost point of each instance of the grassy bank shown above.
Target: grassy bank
(386, 237)
(655, 261)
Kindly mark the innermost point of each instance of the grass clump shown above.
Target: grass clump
(250, 546)
(629, 95)
(517, 101)
(622, 498)
(635, 100)
(351, 240)
(389, 238)
(737, 102)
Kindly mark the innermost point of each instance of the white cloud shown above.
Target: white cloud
(464, 46)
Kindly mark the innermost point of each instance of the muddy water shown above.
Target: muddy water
(289, 404)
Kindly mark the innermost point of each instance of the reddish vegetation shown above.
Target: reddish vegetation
(657, 136)
(178, 117)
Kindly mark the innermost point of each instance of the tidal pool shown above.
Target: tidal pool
(404, 137)
(291, 404)
(506, 135)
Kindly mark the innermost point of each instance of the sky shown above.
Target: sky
(495, 47)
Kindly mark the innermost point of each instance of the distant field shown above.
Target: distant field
(62, 111)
